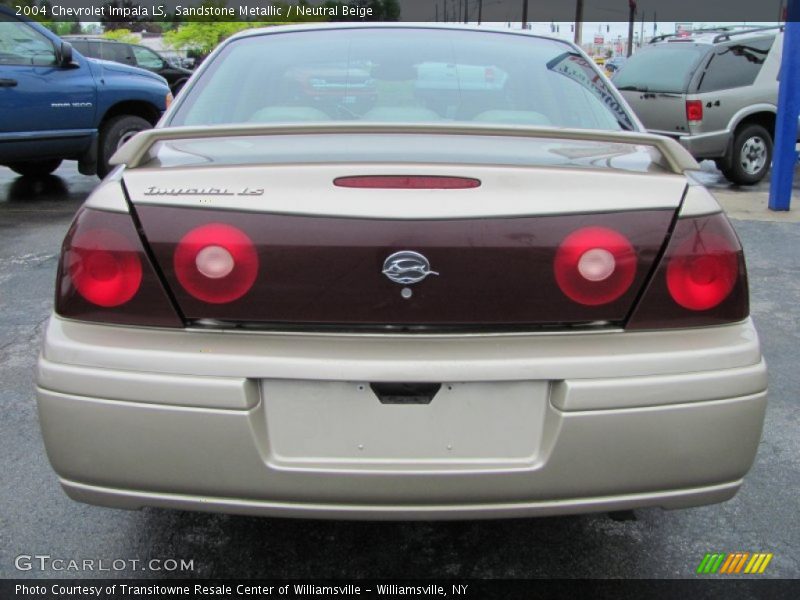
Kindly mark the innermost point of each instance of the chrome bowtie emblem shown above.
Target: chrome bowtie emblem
(407, 267)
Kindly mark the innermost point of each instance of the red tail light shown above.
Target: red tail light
(694, 110)
(702, 272)
(595, 265)
(701, 279)
(413, 182)
(216, 263)
(105, 267)
(104, 274)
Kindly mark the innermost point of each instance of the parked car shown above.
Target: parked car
(57, 105)
(135, 55)
(715, 91)
(513, 302)
(613, 64)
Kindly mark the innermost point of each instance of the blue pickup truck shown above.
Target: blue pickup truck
(58, 105)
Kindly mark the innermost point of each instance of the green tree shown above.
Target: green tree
(202, 37)
(391, 10)
(111, 23)
(382, 10)
(121, 35)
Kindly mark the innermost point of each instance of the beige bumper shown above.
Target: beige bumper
(286, 424)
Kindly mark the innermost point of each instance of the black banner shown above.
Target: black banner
(472, 11)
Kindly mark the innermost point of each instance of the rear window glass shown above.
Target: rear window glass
(81, 46)
(735, 66)
(401, 75)
(115, 52)
(660, 68)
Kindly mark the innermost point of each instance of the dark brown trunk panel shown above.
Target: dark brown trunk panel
(494, 272)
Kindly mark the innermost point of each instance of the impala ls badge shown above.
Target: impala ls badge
(407, 267)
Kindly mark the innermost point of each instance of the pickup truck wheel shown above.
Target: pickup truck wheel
(113, 134)
(35, 168)
(752, 155)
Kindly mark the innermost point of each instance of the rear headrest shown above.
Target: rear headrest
(288, 114)
(403, 114)
(513, 117)
(394, 70)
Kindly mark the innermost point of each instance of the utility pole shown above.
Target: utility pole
(480, 11)
(631, 21)
(466, 12)
(578, 22)
(641, 32)
(785, 155)
(524, 14)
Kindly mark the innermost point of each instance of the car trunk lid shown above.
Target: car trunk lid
(343, 257)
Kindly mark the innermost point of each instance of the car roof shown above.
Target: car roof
(718, 35)
(92, 38)
(327, 26)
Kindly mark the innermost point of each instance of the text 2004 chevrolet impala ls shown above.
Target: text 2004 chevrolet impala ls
(400, 272)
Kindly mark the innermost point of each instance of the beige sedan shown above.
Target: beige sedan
(490, 295)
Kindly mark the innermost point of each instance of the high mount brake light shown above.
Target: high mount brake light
(104, 274)
(595, 265)
(701, 279)
(413, 182)
(216, 263)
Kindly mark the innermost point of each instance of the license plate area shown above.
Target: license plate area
(405, 393)
(329, 424)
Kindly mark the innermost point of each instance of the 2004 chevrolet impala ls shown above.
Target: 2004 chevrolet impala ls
(401, 272)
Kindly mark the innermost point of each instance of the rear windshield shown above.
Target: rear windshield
(660, 68)
(401, 75)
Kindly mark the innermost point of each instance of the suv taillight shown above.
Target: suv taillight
(104, 274)
(701, 279)
(694, 111)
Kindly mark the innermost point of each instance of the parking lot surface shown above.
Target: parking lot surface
(37, 518)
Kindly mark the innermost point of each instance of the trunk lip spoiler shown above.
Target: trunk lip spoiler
(135, 150)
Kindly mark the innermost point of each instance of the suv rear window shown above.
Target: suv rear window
(735, 65)
(402, 75)
(117, 52)
(661, 68)
(83, 47)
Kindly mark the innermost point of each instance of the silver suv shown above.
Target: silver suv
(716, 92)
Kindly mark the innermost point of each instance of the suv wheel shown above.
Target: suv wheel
(114, 133)
(35, 168)
(752, 155)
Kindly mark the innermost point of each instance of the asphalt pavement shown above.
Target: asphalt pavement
(36, 518)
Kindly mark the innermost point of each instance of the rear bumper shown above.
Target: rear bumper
(134, 500)
(284, 424)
